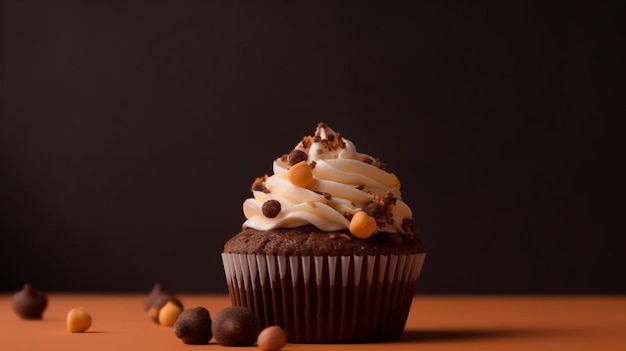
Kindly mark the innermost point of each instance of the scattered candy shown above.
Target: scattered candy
(29, 303)
(78, 320)
(271, 208)
(193, 326)
(168, 314)
(160, 301)
(362, 225)
(300, 174)
(272, 338)
(235, 326)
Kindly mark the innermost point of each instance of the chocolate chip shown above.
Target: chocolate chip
(29, 303)
(296, 156)
(375, 210)
(235, 326)
(271, 208)
(194, 326)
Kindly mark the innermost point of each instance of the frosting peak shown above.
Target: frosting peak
(325, 182)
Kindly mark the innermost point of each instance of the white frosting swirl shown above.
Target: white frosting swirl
(344, 182)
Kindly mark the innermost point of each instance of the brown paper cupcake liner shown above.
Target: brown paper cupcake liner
(326, 299)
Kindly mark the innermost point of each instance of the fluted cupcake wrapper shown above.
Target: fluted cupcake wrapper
(326, 299)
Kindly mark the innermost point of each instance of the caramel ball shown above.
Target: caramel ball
(272, 338)
(362, 225)
(168, 314)
(300, 174)
(235, 326)
(193, 326)
(78, 320)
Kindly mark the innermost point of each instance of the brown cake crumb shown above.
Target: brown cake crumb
(345, 236)
(375, 162)
(307, 141)
(409, 226)
(375, 210)
(259, 184)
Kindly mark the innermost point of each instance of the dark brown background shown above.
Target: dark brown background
(130, 133)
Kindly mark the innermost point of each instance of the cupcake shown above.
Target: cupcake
(328, 250)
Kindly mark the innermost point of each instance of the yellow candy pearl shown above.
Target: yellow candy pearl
(169, 314)
(300, 174)
(362, 225)
(78, 320)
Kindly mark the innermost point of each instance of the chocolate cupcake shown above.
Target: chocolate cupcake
(328, 251)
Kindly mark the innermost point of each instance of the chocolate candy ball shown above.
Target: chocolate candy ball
(235, 326)
(193, 326)
(29, 303)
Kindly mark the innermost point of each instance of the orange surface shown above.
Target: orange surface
(435, 323)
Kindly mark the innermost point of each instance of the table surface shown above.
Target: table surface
(435, 323)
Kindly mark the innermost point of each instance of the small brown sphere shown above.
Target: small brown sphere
(193, 326)
(272, 338)
(29, 303)
(235, 326)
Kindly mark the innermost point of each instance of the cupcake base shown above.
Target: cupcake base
(326, 299)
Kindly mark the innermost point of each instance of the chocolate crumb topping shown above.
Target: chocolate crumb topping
(259, 184)
(306, 142)
(271, 208)
(346, 236)
(296, 156)
(375, 210)
(409, 226)
(375, 162)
